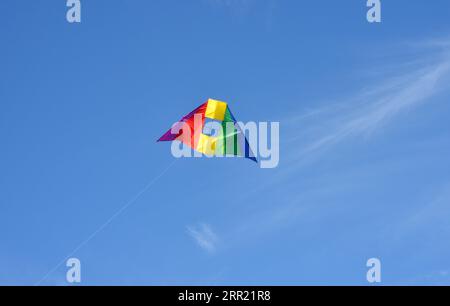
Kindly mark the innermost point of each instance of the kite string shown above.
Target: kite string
(104, 225)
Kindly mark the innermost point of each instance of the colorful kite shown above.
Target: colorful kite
(193, 131)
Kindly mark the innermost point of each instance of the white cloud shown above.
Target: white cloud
(429, 219)
(371, 109)
(204, 236)
(360, 115)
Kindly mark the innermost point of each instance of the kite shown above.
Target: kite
(194, 130)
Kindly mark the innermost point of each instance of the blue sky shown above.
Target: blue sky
(364, 168)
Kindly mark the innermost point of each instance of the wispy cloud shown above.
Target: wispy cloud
(204, 236)
(434, 215)
(435, 278)
(369, 110)
(360, 115)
